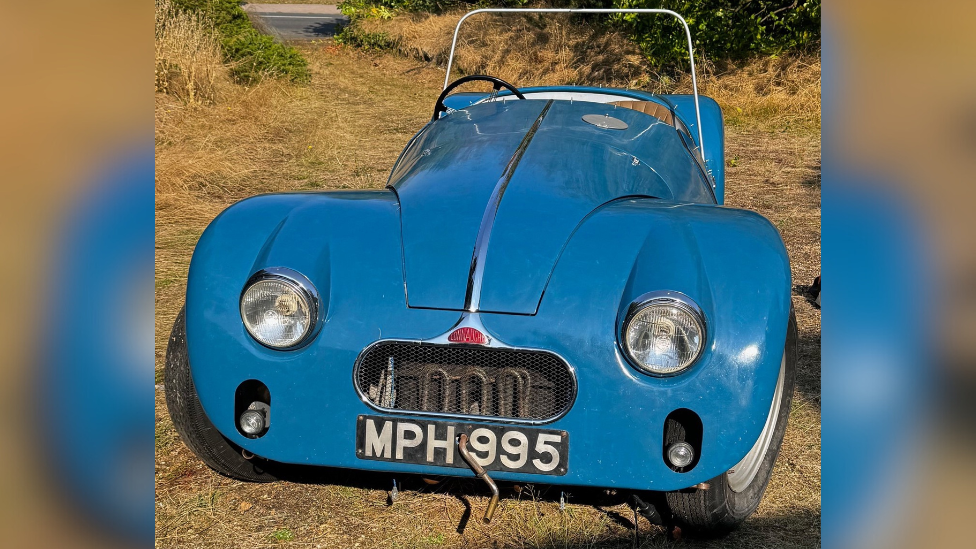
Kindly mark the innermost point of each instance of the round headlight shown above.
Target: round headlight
(663, 336)
(277, 311)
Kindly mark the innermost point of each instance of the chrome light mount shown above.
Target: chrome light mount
(662, 297)
(303, 286)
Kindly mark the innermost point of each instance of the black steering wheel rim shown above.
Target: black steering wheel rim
(439, 107)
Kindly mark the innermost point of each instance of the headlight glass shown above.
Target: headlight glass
(276, 312)
(664, 336)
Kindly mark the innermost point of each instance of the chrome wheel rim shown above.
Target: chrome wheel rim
(743, 473)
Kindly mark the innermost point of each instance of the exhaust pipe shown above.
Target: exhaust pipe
(479, 472)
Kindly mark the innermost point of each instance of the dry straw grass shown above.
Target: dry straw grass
(766, 93)
(529, 50)
(188, 63)
(526, 50)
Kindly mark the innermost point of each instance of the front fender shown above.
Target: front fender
(347, 244)
(731, 262)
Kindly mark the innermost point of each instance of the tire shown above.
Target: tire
(192, 423)
(731, 497)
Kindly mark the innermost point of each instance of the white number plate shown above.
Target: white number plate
(495, 447)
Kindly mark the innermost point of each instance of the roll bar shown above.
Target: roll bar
(691, 53)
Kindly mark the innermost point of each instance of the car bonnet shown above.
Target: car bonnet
(490, 194)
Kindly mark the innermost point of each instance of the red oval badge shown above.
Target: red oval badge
(468, 335)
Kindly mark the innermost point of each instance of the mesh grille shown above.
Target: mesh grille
(502, 383)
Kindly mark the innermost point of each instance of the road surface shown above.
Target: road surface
(296, 21)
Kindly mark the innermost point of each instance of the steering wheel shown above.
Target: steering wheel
(439, 107)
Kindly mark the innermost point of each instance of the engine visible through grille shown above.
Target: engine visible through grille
(462, 380)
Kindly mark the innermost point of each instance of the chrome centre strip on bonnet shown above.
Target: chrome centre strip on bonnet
(472, 298)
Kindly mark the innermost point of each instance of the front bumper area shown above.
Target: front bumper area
(615, 426)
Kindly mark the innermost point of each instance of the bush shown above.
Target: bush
(227, 16)
(352, 35)
(721, 29)
(356, 9)
(252, 55)
(256, 55)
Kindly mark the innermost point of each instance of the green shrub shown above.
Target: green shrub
(721, 29)
(227, 16)
(351, 35)
(250, 54)
(386, 8)
(256, 55)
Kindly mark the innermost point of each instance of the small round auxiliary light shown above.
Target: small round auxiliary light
(252, 422)
(681, 454)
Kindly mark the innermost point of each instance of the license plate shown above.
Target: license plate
(495, 447)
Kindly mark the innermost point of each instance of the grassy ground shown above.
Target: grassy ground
(345, 130)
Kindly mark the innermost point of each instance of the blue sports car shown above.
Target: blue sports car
(549, 290)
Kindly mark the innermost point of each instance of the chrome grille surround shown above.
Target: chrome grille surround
(465, 381)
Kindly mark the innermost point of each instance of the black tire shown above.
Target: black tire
(192, 423)
(718, 510)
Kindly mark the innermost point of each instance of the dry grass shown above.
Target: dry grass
(526, 50)
(765, 93)
(781, 93)
(344, 131)
(188, 62)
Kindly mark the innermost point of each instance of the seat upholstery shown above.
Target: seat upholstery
(656, 110)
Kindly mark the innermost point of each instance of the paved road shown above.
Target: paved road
(296, 21)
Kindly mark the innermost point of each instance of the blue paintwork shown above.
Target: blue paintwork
(446, 176)
(581, 231)
(461, 100)
(683, 106)
(444, 180)
(713, 130)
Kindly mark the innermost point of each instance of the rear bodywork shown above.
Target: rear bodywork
(541, 229)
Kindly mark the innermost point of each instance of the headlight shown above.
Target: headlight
(664, 333)
(279, 308)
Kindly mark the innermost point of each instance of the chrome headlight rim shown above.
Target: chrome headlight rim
(664, 297)
(301, 285)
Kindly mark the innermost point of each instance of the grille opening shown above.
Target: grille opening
(464, 380)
